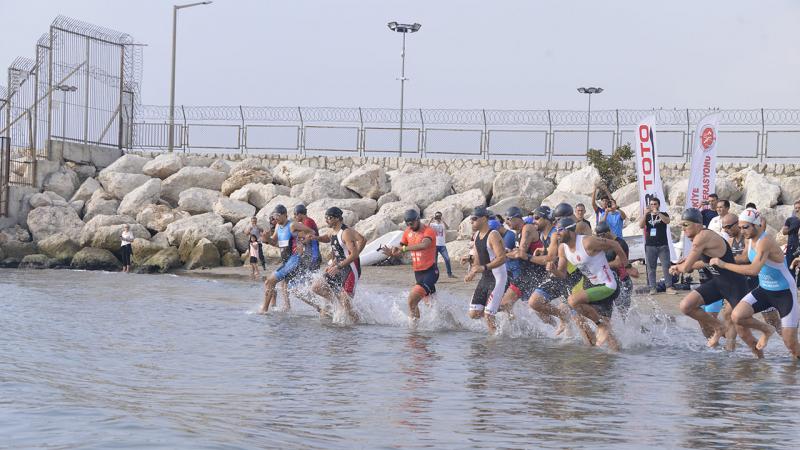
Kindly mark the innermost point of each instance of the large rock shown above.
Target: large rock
(137, 199)
(527, 204)
(625, 195)
(452, 215)
(233, 210)
(222, 165)
(581, 181)
(776, 216)
(175, 230)
(521, 183)
(61, 247)
(197, 161)
(677, 192)
(363, 207)
(231, 259)
(388, 197)
(64, 182)
(257, 194)
(375, 226)
(87, 234)
(132, 164)
(37, 261)
(189, 177)
(369, 181)
(163, 165)
(221, 236)
(248, 164)
(47, 198)
(204, 254)
(240, 238)
(143, 249)
(161, 262)
(18, 250)
(108, 237)
(289, 173)
(157, 217)
(465, 201)
(119, 184)
(77, 205)
(322, 185)
(564, 197)
(101, 203)
(727, 189)
(790, 190)
(760, 190)
(95, 259)
(458, 249)
(264, 213)
(317, 213)
(396, 210)
(15, 233)
(84, 171)
(422, 187)
(86, 190)
(474, 178)
(49, 220)
(243, 177)
(198, 200)
(632, 210)
(465, 229)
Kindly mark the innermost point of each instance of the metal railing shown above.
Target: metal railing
(755, 135)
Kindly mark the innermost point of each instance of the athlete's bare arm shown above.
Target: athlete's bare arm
(764, 248)
(529, 236)
(559, 270)
(352, 248)
(700, 244)
(583, 228)
(496, 244)
(361, 240)
(596, 245)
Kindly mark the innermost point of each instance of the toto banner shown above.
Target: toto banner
(648, 177)
(703, 177)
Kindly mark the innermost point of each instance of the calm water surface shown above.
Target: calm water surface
(101, 360)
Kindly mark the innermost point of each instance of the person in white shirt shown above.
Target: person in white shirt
(126, 239)
(723, 207)
(440, 227)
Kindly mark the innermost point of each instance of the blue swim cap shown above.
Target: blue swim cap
(528, 219)
(494, 224)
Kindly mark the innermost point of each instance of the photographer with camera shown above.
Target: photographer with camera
(791, 229)
(656, 246)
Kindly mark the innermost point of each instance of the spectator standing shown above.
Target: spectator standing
(126, 240)
(709, 209)
(580, 214)
(715, 224)
(600, 202)
(614, 216)
(439, 226)
(656, 245)
(791, 229)
(255, 251)
(254, 230)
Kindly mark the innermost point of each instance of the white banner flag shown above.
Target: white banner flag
(648, 177)
(703, 177)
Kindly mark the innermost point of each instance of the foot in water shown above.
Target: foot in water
(762, 342)
(713, 341)
(604, 336)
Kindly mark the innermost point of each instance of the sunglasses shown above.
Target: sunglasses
(411, 222)
(474, 218)
(686, 224)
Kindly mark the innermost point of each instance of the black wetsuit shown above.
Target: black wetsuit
(722, 283)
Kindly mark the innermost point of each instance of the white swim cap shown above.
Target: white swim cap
(750, 215)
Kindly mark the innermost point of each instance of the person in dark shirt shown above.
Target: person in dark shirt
(791, 229)
(709, 209)
(656, 245)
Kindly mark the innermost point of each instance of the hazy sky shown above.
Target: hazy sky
(483, 54)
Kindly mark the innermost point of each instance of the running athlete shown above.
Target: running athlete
(721, 283)
(623, 302)
(527, 275)
(344, 267)
(492, 267)
(420, 240)
(594, 297)
(286, 237)
(311, 257)
(776, 287)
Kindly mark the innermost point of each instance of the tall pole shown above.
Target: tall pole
(402, 89)
(171, 143)
(588, 122)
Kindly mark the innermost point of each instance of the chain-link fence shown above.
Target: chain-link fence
(748, 135)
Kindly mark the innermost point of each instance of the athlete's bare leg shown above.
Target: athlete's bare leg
(579, 301)
(321, 288)
(773, 318)
(743, 317)
(269, 294)
(507, 303)
(285, 292)
(750, 341)
(546, 311)
(730, 328)
(414, 297)
(347, 304)
(690, 306)
(790, 340)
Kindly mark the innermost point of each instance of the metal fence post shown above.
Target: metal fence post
(302, 130)
(423, 135)
(548, 142)
(49, 96)
(362, 135)
(185, 132)
(420, 149)
(485, 137)
(86, 97)
(763, 139)
(688, 149)
(242, 133)
(121, 95)
(617, 138)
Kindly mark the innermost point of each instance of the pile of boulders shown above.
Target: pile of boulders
(191, 211)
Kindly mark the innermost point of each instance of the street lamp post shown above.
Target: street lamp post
(404, 29)
(590, 91)
(64, 88)
(175, 9)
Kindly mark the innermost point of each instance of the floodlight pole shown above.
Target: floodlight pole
(404, 29)
(589, 91)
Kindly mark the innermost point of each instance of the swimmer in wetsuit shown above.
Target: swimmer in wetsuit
(491, 266)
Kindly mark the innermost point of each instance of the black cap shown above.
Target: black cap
(567, 223)
(543, 212)
(514, 212)
(279, 209)
(334, 212)
(480, 211)
(602, 227)
(563, 210)
(692, 215)
(300, 209)
(410, 215)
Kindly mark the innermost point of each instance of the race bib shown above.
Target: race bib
(283, 243)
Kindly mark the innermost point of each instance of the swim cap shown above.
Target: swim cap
(750, 216)
(279, 209)
(410, 215)
(480, 211)
(528, 220)
(494, 224)
(544, 212)
(602, 227)
(692, 215)
(300, 209)
(514, 212)
(563, 210)
(566, 223)
(334, 212)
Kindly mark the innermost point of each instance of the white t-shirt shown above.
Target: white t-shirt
(438, 228)
(126, 238)
(715, 225)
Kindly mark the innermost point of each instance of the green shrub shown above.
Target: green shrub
(612, 168)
